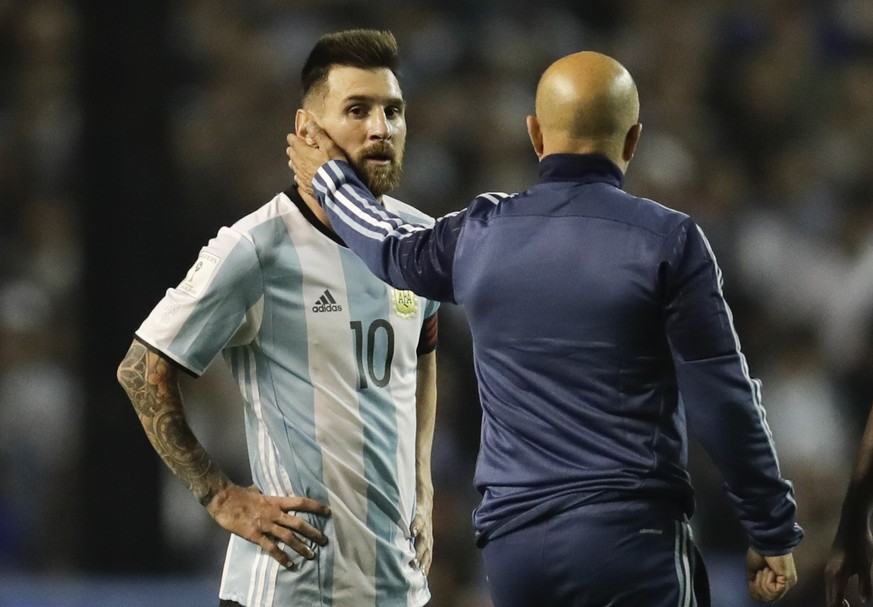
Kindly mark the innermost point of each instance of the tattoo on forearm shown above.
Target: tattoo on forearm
(153, 388)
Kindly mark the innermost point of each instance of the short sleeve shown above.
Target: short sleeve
(217, 302)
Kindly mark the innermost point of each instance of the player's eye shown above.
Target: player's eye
(357, 111)
(393, 111)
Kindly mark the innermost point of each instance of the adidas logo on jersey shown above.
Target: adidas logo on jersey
(326, 303)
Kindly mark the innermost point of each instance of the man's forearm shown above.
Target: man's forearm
(425, 399)
(152, 385)
(405, 255)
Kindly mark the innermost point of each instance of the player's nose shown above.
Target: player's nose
(380, 126)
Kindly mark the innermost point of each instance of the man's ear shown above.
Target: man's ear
(630, 141)
(535, 134)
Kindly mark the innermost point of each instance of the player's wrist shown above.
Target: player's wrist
(214, 494)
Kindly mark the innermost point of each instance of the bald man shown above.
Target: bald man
(591, 310)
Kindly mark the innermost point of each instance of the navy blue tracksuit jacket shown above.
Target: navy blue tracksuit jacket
(591, 312)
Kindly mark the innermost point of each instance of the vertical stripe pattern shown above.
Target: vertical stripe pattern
(325, 358)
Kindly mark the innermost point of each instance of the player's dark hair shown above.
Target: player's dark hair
(362, 48)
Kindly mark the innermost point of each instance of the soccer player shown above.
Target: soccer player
(337, 371)
(852, 551)
(591, 311)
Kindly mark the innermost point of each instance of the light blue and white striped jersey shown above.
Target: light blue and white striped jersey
(325, 357)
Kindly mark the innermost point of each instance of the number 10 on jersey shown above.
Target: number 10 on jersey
(377, 372)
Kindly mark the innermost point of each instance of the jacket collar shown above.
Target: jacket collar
(584, 168)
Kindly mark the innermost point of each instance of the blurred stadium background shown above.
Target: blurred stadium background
(131, 131)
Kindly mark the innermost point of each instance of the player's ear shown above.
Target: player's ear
(535, 134)
(300, 120)
(303, 120)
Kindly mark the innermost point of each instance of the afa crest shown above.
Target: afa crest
(405, 303)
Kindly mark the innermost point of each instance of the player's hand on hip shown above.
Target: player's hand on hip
(769, 577)
(269, 521)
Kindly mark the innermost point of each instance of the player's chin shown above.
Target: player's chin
(382, 180)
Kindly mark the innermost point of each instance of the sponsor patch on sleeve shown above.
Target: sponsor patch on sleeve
(199, 274)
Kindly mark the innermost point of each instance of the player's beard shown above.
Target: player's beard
(380, 179)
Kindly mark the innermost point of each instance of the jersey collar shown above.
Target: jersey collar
(584, 168)
(295, 197)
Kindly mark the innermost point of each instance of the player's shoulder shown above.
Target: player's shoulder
(251, 228)
(273, 209)
(268, 218)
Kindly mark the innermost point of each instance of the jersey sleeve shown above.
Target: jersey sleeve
(722, 402)
(405, 255)
(429, 337)
(218, 304)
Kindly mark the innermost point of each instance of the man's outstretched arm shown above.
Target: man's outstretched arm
(406, 256)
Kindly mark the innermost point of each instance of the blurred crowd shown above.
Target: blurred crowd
(757, 120)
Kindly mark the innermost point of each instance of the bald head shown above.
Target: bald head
(586, 103)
